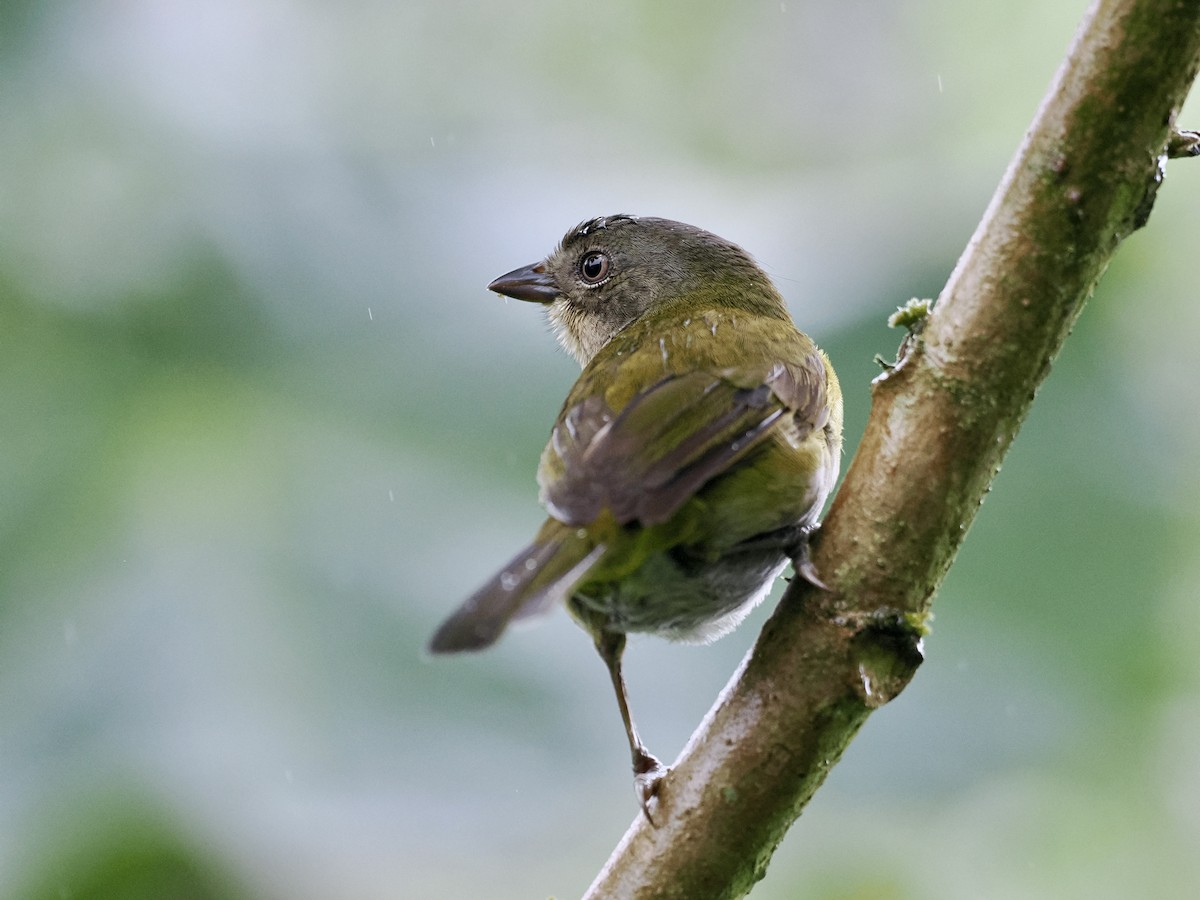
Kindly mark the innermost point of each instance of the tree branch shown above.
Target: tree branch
(1084, 178)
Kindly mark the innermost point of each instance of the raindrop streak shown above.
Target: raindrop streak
(391, 495)
(370, 315)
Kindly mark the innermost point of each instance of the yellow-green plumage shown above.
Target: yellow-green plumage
(690, 459)
(777, 480)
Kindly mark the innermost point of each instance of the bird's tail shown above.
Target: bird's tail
(534, 580)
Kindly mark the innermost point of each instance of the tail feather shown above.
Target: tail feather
(531, 583)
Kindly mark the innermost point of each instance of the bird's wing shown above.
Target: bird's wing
(646, 461)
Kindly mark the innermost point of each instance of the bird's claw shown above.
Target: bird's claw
(802, 561)
(648, 775)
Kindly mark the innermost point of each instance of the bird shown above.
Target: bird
(690, 461)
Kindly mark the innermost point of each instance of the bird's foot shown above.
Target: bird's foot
(648, 775)
(803, 564)
(794, 541)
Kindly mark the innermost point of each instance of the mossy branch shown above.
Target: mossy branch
(1083, 179)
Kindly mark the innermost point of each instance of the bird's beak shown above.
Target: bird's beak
(530, 283)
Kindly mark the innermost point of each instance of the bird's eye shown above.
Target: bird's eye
(593, 268)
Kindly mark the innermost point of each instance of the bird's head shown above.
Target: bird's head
(610, 271)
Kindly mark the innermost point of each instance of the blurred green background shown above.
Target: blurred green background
(264, 426)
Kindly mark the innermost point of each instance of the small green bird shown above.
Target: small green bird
(690, 460)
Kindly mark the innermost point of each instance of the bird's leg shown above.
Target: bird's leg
(802, 560)
(648, 772)
(792, 540)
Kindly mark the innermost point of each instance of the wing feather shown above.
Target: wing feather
(644, 462)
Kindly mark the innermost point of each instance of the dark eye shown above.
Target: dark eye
(593, 268)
